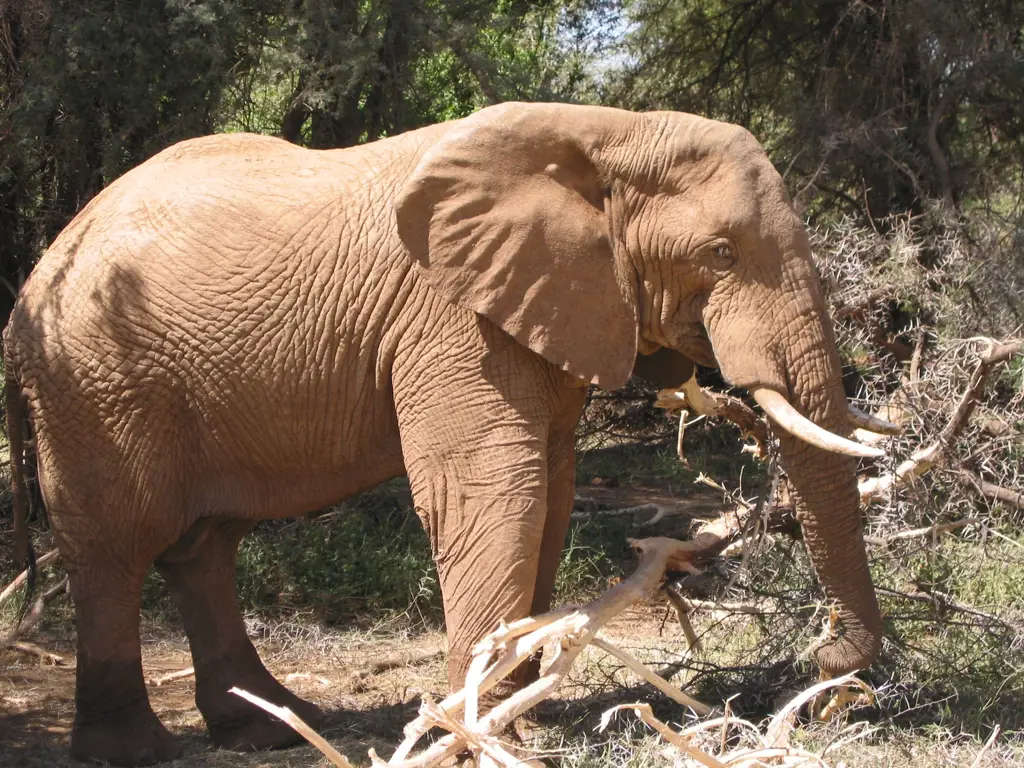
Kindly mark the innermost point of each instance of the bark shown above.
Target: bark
(939, 161)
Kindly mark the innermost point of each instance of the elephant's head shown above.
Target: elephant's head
(590, 234)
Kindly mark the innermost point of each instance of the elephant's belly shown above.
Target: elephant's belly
(286, 491)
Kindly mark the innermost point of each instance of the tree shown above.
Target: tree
(872, 106)
(89, 90)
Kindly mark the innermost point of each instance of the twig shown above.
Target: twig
(170, 677)
(942, 600)
(286, 715)
(986, 747)
(682, 614)
(914, 533)
(752, 609)
(651, 677)
(682, 743)
(915, 360)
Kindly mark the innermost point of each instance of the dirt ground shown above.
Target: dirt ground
(363, 711)
(36, 701)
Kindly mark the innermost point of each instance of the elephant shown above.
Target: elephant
(240, 329)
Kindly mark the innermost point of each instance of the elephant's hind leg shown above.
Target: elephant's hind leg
(114, 722)
(200, 571)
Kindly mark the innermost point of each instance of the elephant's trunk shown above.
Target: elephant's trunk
(829, 513)
(802, 363)
(828, 502)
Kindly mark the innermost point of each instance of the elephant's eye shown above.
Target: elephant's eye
(723, 256)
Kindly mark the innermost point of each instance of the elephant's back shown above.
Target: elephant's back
(219, 283)
(199, 224)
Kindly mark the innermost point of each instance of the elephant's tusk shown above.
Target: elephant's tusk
(872, 423)
(787, 417)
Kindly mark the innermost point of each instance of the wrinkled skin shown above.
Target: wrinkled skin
(242, 329)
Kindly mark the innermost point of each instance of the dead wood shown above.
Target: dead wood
(569, 630)
(942, 601)
(931, 530)
(35, 615)
(753, 747)
(751, 609)
(973, 482)
(22, 578)
(704, 402)
(286, 715)
(34, 650)
(414, 658)
(170, 677)
(936, 454)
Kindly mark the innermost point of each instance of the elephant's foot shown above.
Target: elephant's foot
(138, 738)
(237, 725)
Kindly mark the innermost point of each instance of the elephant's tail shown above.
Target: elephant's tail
(17, 425)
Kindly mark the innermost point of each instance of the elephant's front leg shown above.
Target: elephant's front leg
(485, 512)
(476, 420)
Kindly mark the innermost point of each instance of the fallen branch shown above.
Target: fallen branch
(991, 490)
(772, 747)
(986, 747)
(393, 662)
(20, 580)
(931, 530)
(751, 609)
(682, 743)
(706, 403)
(35, 615)
(287, 716)
(569, 630)
(683, 615)
(170, 677)
(935, 454)
(941, 600)
(636, 666)
(34, 650)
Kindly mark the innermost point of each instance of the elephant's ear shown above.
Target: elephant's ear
(507, 217)
(665, 368)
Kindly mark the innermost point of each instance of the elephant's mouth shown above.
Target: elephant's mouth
(692, 340)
